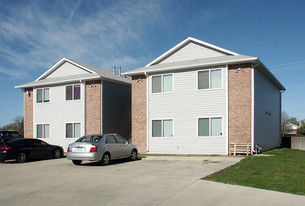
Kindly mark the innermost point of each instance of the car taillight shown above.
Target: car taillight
(68, 150)
(93, 149)
(5, 148)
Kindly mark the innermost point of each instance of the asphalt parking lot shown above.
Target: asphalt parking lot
(150, 181)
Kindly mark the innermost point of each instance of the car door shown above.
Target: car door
(39, 149)
(112, 146)
(123, 146)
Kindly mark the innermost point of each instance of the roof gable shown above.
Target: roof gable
(65, 67)
(190, 49)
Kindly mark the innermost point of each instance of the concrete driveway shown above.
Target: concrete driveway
(150, 181)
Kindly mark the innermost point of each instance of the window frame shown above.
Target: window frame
(73, 92)
(210, 126)
(162, 84)
(43, 95)
(43, 131)
(73, 130)
(162, 127)
(209, 70)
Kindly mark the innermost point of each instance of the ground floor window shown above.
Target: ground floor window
(162, 128)
(43, 130)
(210, 126)
(73, 130)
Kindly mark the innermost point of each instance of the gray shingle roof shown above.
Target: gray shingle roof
(98, 73)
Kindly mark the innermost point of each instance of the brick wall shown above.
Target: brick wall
(28, 113)
(138, 113)
(93, 107)
(240, 103)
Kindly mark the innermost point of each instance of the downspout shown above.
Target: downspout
(147, 109)
(252, 106)
(282, 91)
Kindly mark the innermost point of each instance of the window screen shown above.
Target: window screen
(156, 84)
(216, 78)
(203, 80)
(203, 127)
(156, 128)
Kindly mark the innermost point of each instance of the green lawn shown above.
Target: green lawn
(284, 171)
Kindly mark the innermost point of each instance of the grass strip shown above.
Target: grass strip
(284, 171)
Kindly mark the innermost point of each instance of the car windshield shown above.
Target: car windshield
(90, 138)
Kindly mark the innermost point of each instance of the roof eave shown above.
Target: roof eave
(248, 60)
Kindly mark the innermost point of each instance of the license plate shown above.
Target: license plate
(78, 149)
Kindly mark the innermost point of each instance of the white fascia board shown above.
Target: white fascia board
(60, 62)
(186, 41)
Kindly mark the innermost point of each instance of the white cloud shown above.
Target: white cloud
(35, 35)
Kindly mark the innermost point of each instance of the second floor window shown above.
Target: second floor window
(162, 83)
(43, 95)
(73, 92)
(210, 79)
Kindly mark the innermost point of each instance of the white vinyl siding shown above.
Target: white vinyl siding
(267, 112)
(58, 112)
(67, 69)
(185, 106)
(191, 51)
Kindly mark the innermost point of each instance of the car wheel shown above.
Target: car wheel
(56, 154)
(134, 155)
(21, 157)
(77, 162)
(105, 159)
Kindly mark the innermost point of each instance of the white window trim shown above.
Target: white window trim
(73, 130)
(81, 92)
(162, 119)
(43, 102)
(162, 92)
(210, 126)
(43, 130)
(209, 89)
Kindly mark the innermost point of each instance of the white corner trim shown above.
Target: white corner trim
(227, 110)
(252, 108)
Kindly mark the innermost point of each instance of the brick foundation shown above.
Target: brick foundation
(93, 107)
(239, 103)
(139, 112)
(28, 113)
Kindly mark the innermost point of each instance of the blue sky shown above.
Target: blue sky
(34, 35)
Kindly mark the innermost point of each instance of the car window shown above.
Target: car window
(15, 135)
(90, 138)
(37, 143)
(110, 139)
(120, 139)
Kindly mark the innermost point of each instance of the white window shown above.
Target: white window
(73, 130)
(210, 126)
(43, 131)
(210, 79)
(162, 83)
(162, 128)
(42, 95)
(73, 92)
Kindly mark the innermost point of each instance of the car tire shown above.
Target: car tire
(56, 154)
(106, 159)
(134, 155)
(77, 162)
(21, 157)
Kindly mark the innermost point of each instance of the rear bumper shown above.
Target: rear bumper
(4, 155)
(83, 156)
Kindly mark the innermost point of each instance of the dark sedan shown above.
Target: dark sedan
(24, 149)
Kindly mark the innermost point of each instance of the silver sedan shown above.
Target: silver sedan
(102, 148)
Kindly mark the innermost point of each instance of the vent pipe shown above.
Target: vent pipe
(113, 69)
(119, 70)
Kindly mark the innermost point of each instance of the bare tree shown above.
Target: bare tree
(285, 121)
(16, 125)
